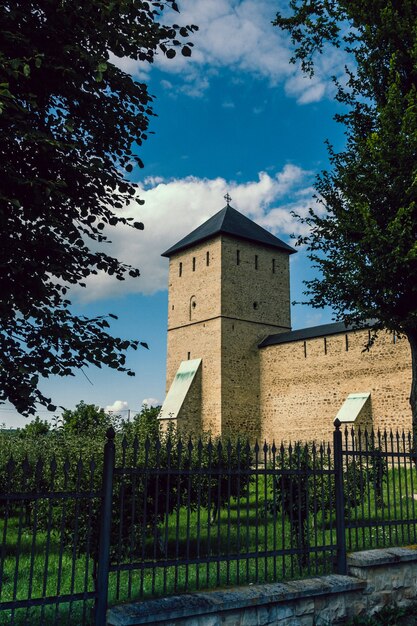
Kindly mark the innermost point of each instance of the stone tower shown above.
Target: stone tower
(228, 290)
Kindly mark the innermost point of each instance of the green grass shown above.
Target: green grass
(55, 575)
(242, 527)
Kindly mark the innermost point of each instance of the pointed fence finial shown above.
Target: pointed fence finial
(227, 198)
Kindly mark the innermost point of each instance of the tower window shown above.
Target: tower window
(188, 355)
(273, 266)
(207, 258)
(193, 263)
(255, 305)
(180, 269)
(237, 257)
(193, 305)
(256, 261)
(325, 345)
(305, 349)
(346, 343)
(394, 337)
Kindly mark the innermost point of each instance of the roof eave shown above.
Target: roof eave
(314, 332)
(175, 249)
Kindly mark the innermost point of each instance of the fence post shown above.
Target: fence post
(103, 560)
(341, 564)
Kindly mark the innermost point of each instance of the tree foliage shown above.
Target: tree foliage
(36, 428)
(71, 122)
(86, 420)
(169, 474)
(363, 235)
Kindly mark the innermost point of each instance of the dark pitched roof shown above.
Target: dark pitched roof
(230, 222)
(312, 333)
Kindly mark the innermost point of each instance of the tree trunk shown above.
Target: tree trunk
(412, 338)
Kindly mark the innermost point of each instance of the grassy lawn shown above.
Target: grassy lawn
(39, 565)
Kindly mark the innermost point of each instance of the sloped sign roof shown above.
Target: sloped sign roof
(179, 389)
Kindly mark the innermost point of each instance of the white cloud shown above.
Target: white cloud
(118, 406)
(151, 402)
(138, 69)
(175, 207)
(306, 90)
(238, 35)
(166, 84)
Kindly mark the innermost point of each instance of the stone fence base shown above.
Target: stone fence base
(376, 578)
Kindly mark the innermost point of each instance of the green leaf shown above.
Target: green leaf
(64, 136)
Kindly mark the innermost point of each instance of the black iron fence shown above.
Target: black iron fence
(48, 548)
(168, 516)
(381, 487)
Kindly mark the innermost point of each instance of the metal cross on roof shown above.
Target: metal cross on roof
(227, 198)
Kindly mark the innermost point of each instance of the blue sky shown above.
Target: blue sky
(235, 117)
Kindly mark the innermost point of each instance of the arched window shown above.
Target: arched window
(193, 305)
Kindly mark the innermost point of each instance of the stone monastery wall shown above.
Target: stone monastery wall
(194, 328)
(221, 295)
(229, 290)
(304, 384)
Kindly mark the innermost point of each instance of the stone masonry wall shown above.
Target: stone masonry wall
(255, 303)
(200, 285)
(241, 377)
(304, 384)
(225, 296)
(195, 331)
(377, 578)
(201, 340)
(256, 289)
